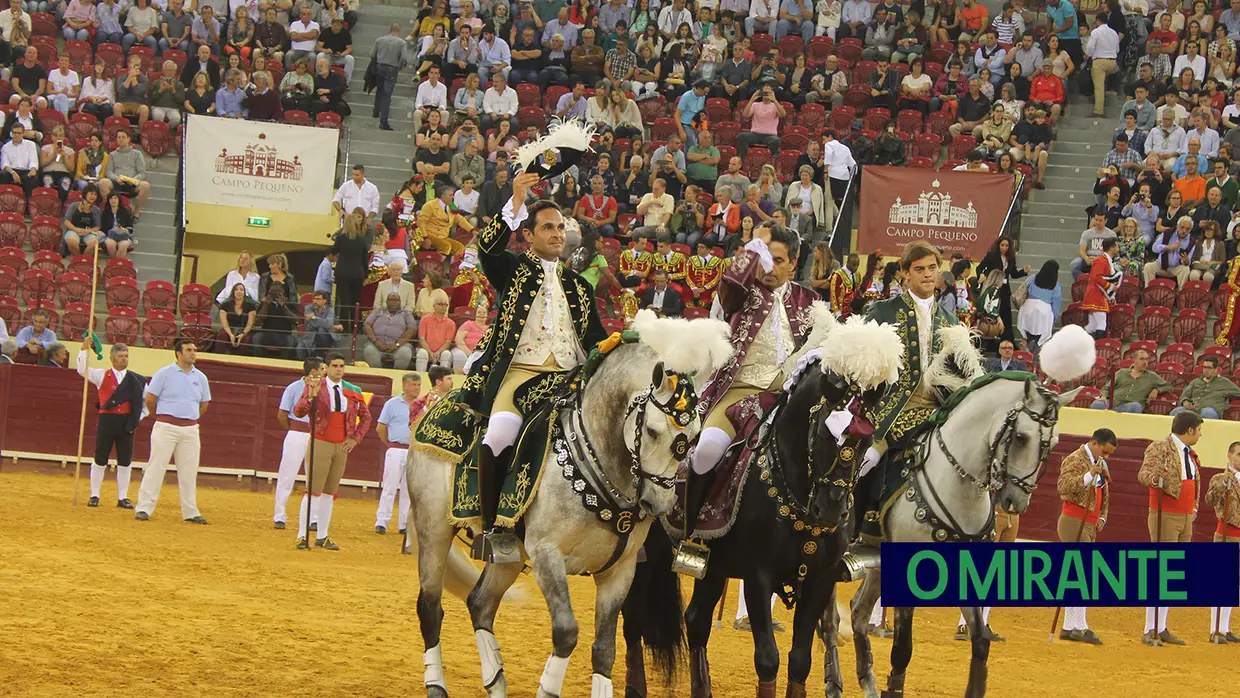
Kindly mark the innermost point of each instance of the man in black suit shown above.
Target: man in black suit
(202, 63)
(1005, 362)
(120, 409)
(661, 298)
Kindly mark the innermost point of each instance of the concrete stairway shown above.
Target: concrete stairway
(155, 255)
(387, 155)
(1054, 218)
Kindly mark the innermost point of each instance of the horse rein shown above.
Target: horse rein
(997, 472)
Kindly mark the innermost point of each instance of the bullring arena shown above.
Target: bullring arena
(96, 604)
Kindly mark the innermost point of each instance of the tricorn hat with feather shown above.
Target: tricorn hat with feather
(566, 142)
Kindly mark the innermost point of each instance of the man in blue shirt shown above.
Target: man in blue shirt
(326, 275)
(296, 441)
(795, 16)
(177, 395)
(228, 99)
(687, 109)
(36, 338)
(393, 430)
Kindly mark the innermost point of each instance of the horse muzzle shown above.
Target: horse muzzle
(655, 504)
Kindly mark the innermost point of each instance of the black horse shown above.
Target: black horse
(789, 536)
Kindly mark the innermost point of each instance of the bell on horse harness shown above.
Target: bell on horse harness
(691, 558)
(499, 546)
(856, 561)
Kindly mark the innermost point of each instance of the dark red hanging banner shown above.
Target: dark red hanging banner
(954, 211)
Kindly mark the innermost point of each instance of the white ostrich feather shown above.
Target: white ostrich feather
(958, 362)
(561, 133)
(1068, 354)
(821, 322)
(866, 353)
(697, 347)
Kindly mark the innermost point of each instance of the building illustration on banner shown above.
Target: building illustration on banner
(934, 209)
(258, 160)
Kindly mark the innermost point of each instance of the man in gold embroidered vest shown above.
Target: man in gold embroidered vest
(1172, 471)
(546, 324)
(1224, 496)
(843, 286)
(1084, 486)
(769, 315)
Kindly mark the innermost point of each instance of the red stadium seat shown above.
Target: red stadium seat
(861, 72)
(794, 138)
(754, 159)
(12, 199)
(113, 56)
(761, 43)
(117, 267)
(122, 326)
(552, 97)
(653, 108)
(1109, 349)
(1086, 397)
(1195, 294)
(726, 133)
(718, 109)
(74, 287)
(927, 145)
(1190, 327)
(1120, 321)
(858, 97)
(296, 117)
(75, 321)
(531, 116)
(1160, 292)
(791, 46)
(875, 119)
(45, 201)
(909, 121)
(81, 125)
(197, 328)
(613, 325)
(1148, 346)
(1073, 315)
(37, 286)
(328, 119)
(812, 117)
(960, 147)
(49, 262)
(84, 264)
(1154, 324)
(1178, 352)
(663, 128)
(1078, 289)
(156, 138)
(53, 317)
(849, 49)
(161, 295)
(786, 165)
(1129, 291)
(43, 24)
(529, 95)
(180, 58)
(195, 299)
(12, 230)
(45, 233)
(921, 162)
(9, 281)
(159, 330)
(10, 312)
(122, 292)
(818, 49)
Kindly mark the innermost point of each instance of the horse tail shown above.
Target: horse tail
(663, 606)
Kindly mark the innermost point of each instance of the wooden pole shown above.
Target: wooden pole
(1218, 612)
(90, 326)
(314, 403)
(1079, 532)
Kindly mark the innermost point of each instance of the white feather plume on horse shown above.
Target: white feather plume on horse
(958, 361)
(1068, 354)
(866, 353)
(697, 347)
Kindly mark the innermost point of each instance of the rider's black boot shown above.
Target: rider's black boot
(495, 544)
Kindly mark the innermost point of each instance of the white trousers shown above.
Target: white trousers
(179, 444)
(1074, 618)
(876, 615)
(1162, 619)
(292, 460)
(1096, 322)
(985, 616)
(742, 609)
(423, 359)
(394, 481)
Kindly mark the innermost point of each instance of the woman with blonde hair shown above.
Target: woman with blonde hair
(769, 186)
(278, 275)
(243, 274)
(352, 244)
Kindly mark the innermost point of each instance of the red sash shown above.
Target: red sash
(1180, 505)
(1077, 511)
(1227, 529)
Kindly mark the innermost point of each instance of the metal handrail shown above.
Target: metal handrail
(843, 210)
(1010, 218)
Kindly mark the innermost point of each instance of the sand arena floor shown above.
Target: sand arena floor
(93, 603)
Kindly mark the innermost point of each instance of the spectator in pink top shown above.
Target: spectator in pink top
(435, 335)
(467, 337)
(766, 114)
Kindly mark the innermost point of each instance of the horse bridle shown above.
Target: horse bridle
(997, 472)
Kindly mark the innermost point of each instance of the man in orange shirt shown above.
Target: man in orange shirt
(1191, 186)
(435, 335)
(976, 19)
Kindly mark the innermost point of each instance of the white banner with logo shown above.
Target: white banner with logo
(260, 165)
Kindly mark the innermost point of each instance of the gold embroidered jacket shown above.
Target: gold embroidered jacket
(1071, 484)
(1221, 485)
(891, 415)
(517, 280)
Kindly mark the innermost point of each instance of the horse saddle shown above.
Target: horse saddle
(718, 512)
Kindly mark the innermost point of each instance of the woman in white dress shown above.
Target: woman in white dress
(1041, 306)
(244, 274)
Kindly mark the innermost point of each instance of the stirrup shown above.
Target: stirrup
(690, 559)
(497, 545)
(856, 560)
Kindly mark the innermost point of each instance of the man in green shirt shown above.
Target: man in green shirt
(548, 10)
(1210, 394)
(1134, 386)
(1225, 182)
(703, 165)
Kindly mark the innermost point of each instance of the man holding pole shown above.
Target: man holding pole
(120, 409)
(1172, 471)
(295, 441)
(393, 430)
(339, 418)
(178, 395)
(1224, 496)
(1083, 480)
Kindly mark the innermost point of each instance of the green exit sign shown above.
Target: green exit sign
(257, 222)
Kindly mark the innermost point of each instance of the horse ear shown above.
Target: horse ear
(832, 387)
(657, 376)
(1066, 398)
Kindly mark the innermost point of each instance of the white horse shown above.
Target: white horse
(988, 451)
(620, 443)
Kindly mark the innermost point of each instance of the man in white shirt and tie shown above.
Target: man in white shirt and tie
(1102, 49)
(432, 94)
(357, 192)
(19, 160)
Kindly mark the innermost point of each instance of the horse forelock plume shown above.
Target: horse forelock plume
(866, 353)
(696, 347)
(958, 362)
(1068, 354)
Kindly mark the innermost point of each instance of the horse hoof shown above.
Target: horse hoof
(499, 689)
(632, 692)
